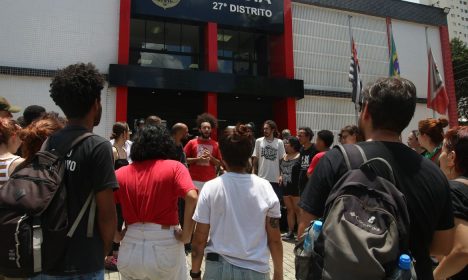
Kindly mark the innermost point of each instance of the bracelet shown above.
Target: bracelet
(195, 275)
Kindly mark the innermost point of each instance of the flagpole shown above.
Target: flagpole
(356, 109)
(427, 47)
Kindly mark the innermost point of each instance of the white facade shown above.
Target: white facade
(49, 35)
(322, 57)
(457, 18)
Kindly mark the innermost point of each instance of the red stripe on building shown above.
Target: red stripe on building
(123, 57)
(211, 65)
(282, 65)
(448, 74)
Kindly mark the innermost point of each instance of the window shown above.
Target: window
(165, 44)
(242, 53)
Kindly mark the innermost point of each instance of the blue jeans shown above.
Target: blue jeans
(98, 275)
(222, 270)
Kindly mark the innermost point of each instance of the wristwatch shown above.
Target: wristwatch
(195, 275)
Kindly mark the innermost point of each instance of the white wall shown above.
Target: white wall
(322, 57)
(410, 40)
(322, 48)
(25, 91)
(51, 34)
(328, 113)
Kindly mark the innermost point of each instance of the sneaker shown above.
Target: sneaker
(288, 236)
(111, 264)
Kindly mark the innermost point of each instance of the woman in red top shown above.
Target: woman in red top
(153, 246)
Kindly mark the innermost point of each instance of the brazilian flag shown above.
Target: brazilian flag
(394, 63)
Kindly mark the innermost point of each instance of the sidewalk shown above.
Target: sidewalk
(288, 264)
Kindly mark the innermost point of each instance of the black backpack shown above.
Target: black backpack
(365, 225)
(34, 224)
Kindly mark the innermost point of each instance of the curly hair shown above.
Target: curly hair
(75, 89)
(8, 128)
(34, 135)
(205, 117)
(236, 148)
(153, 142)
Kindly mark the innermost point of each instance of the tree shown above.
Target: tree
(463, 110)
(460, 67)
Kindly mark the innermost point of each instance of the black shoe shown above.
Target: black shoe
(288, 236)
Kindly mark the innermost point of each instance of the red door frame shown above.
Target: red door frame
(121, 102)
(282, 65)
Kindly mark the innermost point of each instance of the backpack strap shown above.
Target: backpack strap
(353, 155)
(63, 149)
(91, 204)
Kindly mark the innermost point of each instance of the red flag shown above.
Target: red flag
(437, 98)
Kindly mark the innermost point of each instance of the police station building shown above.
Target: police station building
(240, 60)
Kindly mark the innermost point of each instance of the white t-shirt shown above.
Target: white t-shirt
(269, 155)
(236, 206)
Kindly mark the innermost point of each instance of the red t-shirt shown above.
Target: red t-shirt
(314, 162)
(202, 171)
(149, 191)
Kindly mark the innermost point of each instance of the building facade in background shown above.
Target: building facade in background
(457, 17)
(241, 61)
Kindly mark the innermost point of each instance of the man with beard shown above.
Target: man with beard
(267, 154)
(388, 108)
(203, 154)
(77, 91)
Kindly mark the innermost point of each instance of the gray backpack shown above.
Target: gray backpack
(366, 223)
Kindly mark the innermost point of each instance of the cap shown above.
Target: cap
(405, 262)
(5, 106)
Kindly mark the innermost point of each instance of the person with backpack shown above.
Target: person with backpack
(89, 172)
(396, 203)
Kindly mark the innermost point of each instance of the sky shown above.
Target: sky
(415, 1)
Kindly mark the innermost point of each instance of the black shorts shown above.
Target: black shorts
(290, 190)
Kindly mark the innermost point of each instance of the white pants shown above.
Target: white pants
(149, 252)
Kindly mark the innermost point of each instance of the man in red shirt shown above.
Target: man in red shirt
(203, 154)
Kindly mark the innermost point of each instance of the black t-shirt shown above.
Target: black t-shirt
(306, 158)
(180, 155)
(290, 172)
(90, 168)
(459, 193)
(424, 185)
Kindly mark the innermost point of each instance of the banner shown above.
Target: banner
(266, 15)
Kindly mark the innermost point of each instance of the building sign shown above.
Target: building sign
(264, 15)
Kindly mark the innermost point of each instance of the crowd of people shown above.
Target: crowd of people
(226, 200)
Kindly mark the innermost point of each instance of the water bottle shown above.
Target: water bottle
(403, 272)
(311, 237)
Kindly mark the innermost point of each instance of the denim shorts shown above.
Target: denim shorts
(98, 275)
(222, 270)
